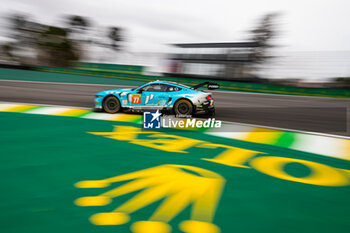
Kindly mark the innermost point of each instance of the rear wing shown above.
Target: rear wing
(210, 85)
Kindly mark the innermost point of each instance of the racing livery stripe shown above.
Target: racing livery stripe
(317, 144)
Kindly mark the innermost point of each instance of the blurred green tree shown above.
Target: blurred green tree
(51, 45)
(57, 46)
(78, 22)
(56, 49)
(263, 34)
(115, 36)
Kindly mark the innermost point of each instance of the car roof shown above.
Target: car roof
(170, 82)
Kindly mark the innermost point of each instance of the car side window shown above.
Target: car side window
(157, 88)
(170, 88)
(150, 87)
(164, 87)
(160, 88)
(154, 87)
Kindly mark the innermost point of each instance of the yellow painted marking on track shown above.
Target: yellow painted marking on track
(93, 201)
(150, 227)
(347, 172)
(73, 112)
(92, 184)
(265, 136)
(173, 183)
(19, 108)
(154, 139)
(193, 226)
(109, 218)
(232, 156)
(124, 133)
(127, 117)
(4, 106)
(320, 174)
(346, 147)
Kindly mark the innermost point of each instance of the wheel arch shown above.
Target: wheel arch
(184, 98)
(113, 95)
(109, 96)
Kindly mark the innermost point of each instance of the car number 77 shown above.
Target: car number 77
(136, 99)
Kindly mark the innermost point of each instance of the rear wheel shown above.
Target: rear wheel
(183, 107)
(111, 104)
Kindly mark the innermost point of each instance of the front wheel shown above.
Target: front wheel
(111, 104)
(183, 107)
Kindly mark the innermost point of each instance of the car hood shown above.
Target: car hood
(114, 91)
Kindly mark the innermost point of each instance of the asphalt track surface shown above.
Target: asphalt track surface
(315, 114)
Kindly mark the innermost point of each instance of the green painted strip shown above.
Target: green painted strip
(138, 120)
(203, 130)
(83, 114)
(28, 109)
(36, 107)
(286, 139)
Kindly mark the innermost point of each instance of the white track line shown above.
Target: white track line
(49, 110)
(291, 130)
(319, 145)
(99, 116)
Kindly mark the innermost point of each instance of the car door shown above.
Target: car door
(140, 98)
(155, 96)
(163, 95)
(149, 96)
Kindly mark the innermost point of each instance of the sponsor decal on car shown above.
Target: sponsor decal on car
(136, 99)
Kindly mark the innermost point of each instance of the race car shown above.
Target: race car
(159, 95)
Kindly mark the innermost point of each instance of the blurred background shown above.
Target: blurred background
(299, 43)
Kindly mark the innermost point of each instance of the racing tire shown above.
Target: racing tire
(111, 104)
(183, 107)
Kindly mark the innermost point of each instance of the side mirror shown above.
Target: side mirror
(139, 91)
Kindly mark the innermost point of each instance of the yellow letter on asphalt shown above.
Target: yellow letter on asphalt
(123, 133)
(232, 156)
(320, 174)
(156, 140)
(167, 142)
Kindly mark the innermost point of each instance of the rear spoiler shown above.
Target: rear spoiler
(210, 85)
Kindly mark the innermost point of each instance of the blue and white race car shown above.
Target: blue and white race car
(159, 95)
